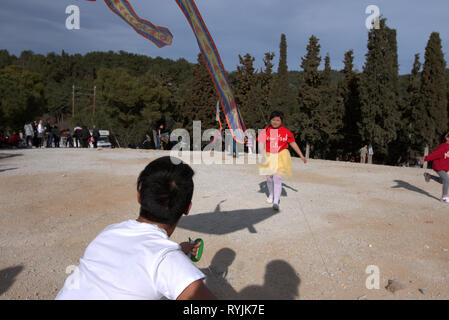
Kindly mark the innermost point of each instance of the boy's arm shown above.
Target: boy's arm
(197, 290)
(295, 147)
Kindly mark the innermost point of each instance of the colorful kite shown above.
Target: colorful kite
(161, 37)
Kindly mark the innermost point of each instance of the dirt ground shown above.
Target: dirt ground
(336, 219)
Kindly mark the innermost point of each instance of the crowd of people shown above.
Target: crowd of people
(40, 135)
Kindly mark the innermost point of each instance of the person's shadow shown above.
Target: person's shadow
(8, 277)
(223, 222)
(217, 272)
(408, 186)
(281, 280)
(281, 283)
(263, 188)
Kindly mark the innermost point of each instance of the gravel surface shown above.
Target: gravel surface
(336, 219)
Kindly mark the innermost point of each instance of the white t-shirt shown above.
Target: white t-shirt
(131, 260)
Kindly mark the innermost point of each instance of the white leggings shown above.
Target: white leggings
(274, 184)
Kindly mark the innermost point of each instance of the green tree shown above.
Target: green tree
(247, 95)
(433, 91)
(201, 98)
(379, 92)
(330, 113)
(349, 92)
(412, 133)
(21, 97)
(280, 95)
(306, 119)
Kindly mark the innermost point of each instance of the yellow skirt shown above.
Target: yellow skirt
(277, 163)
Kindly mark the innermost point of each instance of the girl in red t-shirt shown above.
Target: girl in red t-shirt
(277, 165)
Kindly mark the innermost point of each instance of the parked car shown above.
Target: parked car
(103, 141)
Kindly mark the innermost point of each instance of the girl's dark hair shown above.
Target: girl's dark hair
(166, 190)
(277, 113)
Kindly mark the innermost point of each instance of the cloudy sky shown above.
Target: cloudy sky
(237, 26)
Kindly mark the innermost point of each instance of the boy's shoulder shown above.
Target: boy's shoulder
(139, 234)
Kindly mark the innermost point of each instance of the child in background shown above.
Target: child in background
(277, 139)
(136, 259)
(440, 158)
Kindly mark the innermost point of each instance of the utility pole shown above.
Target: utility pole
(93, 106)
(73, 101)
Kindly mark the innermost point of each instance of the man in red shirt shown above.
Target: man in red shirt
(440, 158)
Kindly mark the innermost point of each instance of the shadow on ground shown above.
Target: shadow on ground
(408, 186)
(2, 170)
(223, 222)
(264, 189)
(9, 155)
(8, 277)
(281, 281)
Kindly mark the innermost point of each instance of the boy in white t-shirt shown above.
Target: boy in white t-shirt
(136, 259)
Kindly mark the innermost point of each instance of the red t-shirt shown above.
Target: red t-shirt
(276, 143)
(440, 157)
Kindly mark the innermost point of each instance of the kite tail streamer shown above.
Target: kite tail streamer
(215, 68)
(159, 35)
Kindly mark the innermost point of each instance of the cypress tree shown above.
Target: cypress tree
(305, 120)
(330, 113)
(280, 93)
(263, 91)
(379, 91)
(245, 96)
(433, 93)
(412, 116)
(349, 92)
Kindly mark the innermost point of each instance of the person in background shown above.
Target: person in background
(77, 136)
(68, 140)
(160, 130)
(95, 136)
(146, 143)
(40, 133)
(35, 134)
(49, 134)
(370, 154)
(249, 144)
(85, 136)
(29, 133)
(56, 135)
(363, 152)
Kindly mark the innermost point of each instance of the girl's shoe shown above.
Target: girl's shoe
(276, 206)
(445, 199)
(269, 200)
(427, 177)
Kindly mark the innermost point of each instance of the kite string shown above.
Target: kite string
(315, 243)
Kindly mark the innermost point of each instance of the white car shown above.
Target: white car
(103, 141)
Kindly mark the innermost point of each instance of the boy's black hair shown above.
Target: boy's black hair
(166, 190)
(277, 113)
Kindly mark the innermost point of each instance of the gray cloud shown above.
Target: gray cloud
(237, 26)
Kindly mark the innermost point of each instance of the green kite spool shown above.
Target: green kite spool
(200, 250)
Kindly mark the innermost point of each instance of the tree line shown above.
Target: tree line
(332, 112)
